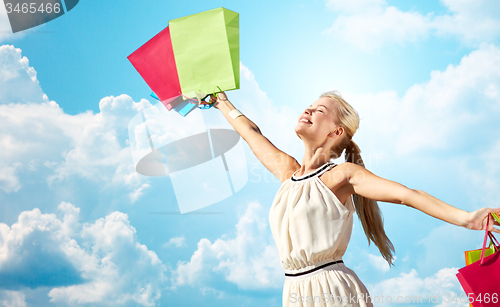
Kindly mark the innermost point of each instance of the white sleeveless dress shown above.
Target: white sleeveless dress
(312, 228)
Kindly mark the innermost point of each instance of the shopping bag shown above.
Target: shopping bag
(191, 58)
(475, 255)
(186, 106)
(182, 104)
(496, 217)
(206, 50)
(156, 64)
(481, 279)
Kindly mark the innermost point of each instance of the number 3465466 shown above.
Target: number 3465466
(33, 8)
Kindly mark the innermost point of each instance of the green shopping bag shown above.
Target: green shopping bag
(495, 216)
(206, 50)
(475, 255)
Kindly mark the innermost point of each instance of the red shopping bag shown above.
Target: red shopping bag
(156, 64)
(481, 279)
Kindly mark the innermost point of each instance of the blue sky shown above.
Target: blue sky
(78, 225)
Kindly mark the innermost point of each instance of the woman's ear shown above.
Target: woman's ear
(337, 132)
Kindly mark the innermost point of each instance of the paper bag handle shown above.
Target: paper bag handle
(493, 240)
(217, 92)
(488, 233)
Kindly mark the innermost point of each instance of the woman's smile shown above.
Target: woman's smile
(304, 119)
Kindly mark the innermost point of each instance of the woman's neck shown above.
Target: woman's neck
(313, 159)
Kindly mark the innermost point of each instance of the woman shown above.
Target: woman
(312, 214)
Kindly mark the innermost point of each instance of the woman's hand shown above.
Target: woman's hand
(478, 219)
(220, 97)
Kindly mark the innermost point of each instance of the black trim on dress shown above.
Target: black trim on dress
(319, 170)
(315, 269)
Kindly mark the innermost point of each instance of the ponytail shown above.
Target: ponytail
(368, 211)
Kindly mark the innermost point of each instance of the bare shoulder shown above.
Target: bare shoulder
(342, 171)
(351, 167)
(342, 174)
(337, 175)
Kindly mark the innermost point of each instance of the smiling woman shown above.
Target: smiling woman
(311, 217)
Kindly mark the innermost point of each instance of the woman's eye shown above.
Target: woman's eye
(321, 111)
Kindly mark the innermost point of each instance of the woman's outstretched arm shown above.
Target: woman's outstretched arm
(275, 160)
(363, 182)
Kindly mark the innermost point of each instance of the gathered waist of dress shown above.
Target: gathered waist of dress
(313, 267)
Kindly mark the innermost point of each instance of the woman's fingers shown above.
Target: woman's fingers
(215, 99)
(222, 96)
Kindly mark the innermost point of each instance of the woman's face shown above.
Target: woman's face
(317, 122)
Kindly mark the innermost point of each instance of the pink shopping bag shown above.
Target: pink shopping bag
(156, 64)
(481, 279)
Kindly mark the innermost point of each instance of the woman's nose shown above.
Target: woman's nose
(308, 111)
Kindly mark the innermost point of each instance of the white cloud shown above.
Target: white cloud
(447, 240)
(250, 259)
(176, 241)
(9, 182)
(19, 80)
(410, 288)
(370, 24)
(374, 28)
(472, 21)
(134, 195)
(12, 299)
(107, 263)
(36, 134)
(211, 291)
(88, 145)
(99, 262)
(96, 152)
(447, 114)
(379, 262)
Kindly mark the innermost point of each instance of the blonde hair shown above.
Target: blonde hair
(367, 209)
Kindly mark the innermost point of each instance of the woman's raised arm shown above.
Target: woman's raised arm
(275, 160)
(365, 183)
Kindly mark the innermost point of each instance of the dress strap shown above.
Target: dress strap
(330, 165)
